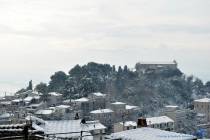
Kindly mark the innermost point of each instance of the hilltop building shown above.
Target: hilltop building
(144, 66)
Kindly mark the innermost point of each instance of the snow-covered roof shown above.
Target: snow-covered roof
(28, 99)
(67, 101)
(38, 93)
(5, 102)
(17, 100)
(82, 100)
(37, 97)
(118, 103)
(200, 115)
(150, 134)
(52, 108)
(5, 115)
(158, 120)
(171, 106)
(11, 130)
(128, 107)
(12, 125)
(129, 123)
(65, 126)
(63, 106)
(35, 119)
(36, 127)
(44, 112)
(203, 100)
(36, 105)
(27, 92)
(99, 94)
(55, 94)
(101, 111)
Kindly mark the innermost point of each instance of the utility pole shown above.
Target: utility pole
(81, 135)
(123, 119)
(25, 132)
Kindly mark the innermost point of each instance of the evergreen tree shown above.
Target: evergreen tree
(57, 82)
(125, 70)
(41, 87)
(113, 68)
(120, 70)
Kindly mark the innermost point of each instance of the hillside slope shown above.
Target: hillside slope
(150, 90)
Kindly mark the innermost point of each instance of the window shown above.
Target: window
(160, 125)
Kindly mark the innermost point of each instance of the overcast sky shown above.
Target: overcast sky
(39, 37)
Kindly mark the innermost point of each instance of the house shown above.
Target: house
(105, 116)
(162, 122)
(203, 106)
(178, 115)
(20, 131)
(17, 102)
(119, 109)
(123, 112)
(27, 93)
(45, 113)
(122, 126)
(146, 133)
(32, 108)
(32, 99)
(82, 104)
(118, 106)
(73, 129)
(6, 118)
(5, 106)
(54, 98)
(98, 100)
(132, 112)
(94, 101)
(63, 111)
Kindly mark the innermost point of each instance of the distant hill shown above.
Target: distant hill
(148, 87)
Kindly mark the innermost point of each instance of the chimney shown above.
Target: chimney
(142, 122)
